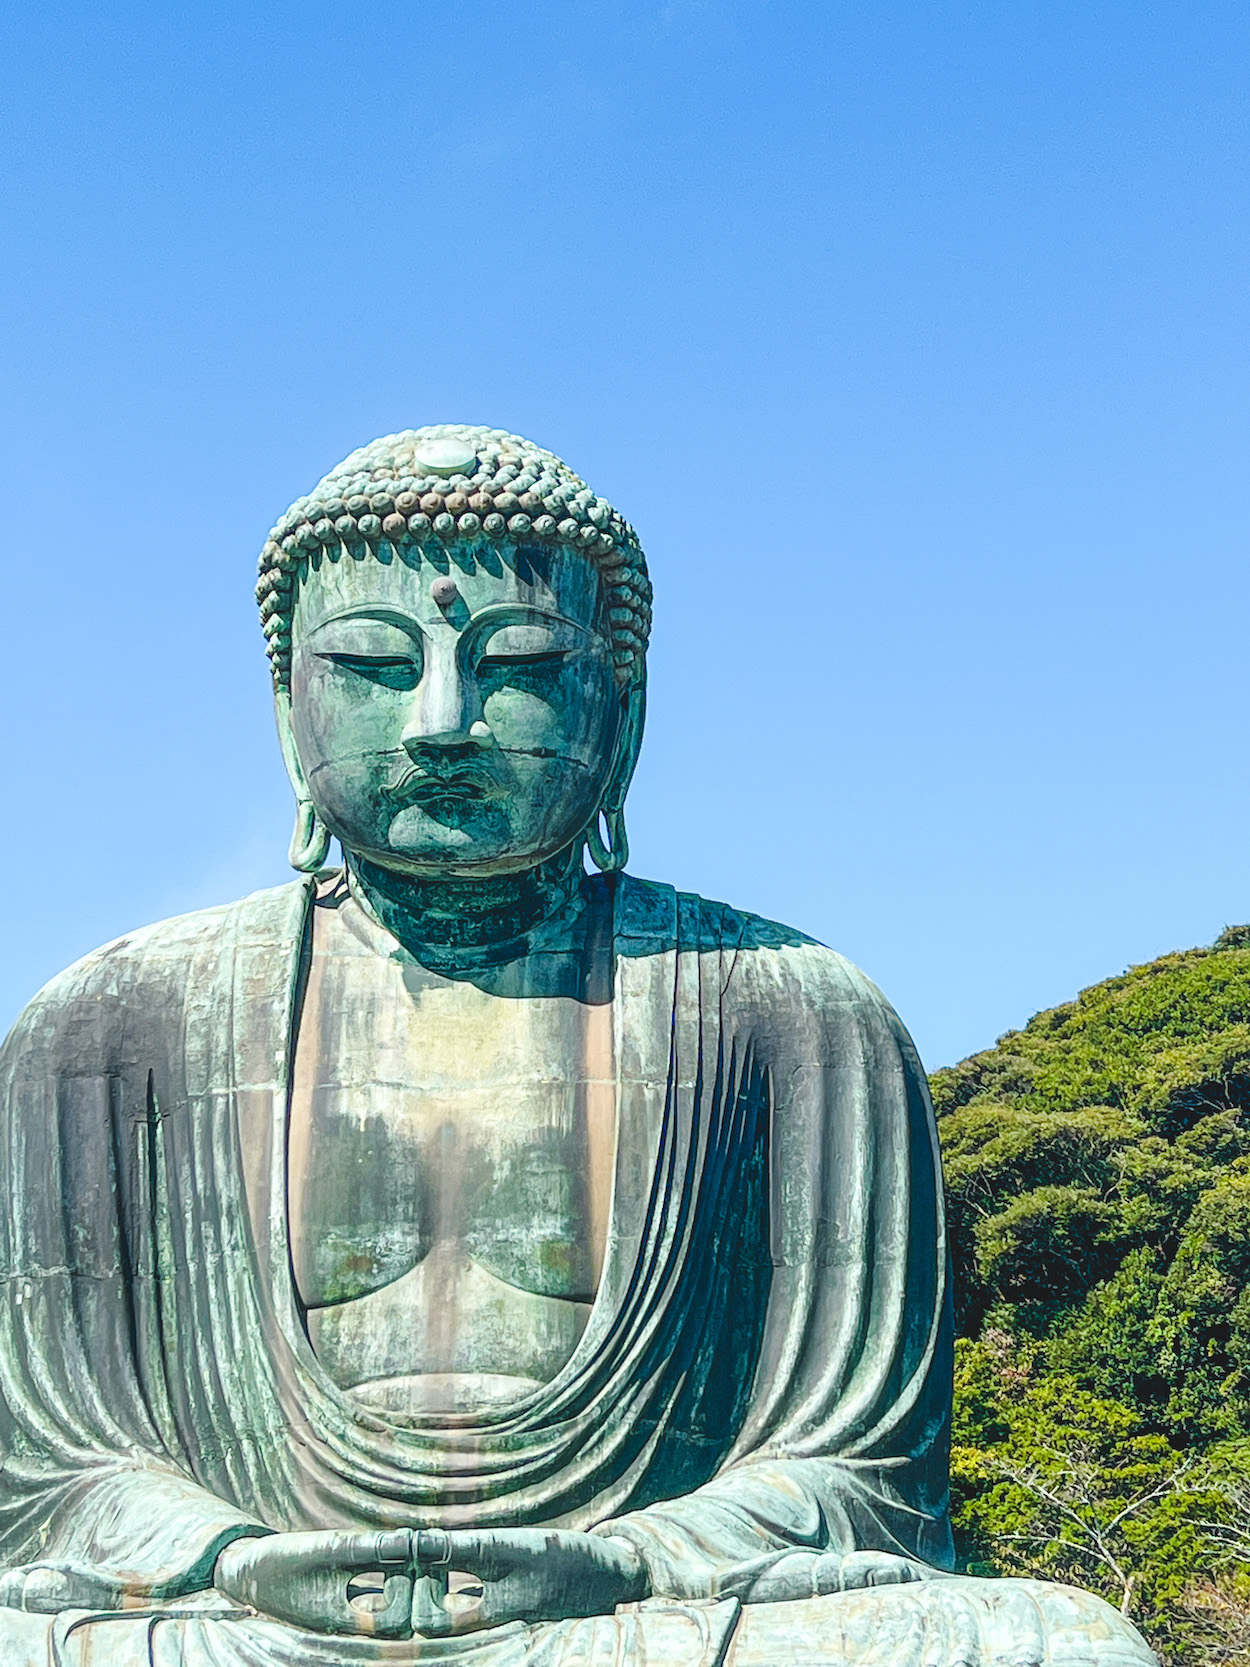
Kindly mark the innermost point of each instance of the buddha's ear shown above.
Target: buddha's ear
(286, 739)
(311, 840)
(613, 854)
(628, 743)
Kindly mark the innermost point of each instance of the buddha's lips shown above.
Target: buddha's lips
(418, 786)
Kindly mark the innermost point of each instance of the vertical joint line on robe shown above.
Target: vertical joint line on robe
(286, 1088)
(118, 1159)
(644, 1292)
(139, 1243)
(159, 1238)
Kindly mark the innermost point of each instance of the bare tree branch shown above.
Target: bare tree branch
(1084, 1524)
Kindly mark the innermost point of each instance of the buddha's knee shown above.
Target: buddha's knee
(110, 1638)
(956, 1622)
(24, 1639)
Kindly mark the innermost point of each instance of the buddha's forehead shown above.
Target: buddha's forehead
(558, 580)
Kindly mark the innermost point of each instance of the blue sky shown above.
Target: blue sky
(912, 338)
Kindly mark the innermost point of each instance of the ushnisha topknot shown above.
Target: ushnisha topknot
(447, 487)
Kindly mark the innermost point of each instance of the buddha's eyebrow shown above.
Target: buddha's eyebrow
(402, 621)
(523, 612)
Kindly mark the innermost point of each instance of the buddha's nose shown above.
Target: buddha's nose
(444, 716)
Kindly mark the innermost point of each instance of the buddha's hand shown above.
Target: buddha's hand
(340, 1581)
(527, 1574)
(814, 1574)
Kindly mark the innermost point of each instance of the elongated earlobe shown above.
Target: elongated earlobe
(310, 843)
(609, 858)
(311, 840)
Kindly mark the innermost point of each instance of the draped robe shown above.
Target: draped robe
(765, 1375)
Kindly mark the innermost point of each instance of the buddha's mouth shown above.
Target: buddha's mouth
(420, 787)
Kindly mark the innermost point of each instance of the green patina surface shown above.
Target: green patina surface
(459, 1242)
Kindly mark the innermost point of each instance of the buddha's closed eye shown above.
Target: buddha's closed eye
(392, 671)
(401, 672)
(505, 662)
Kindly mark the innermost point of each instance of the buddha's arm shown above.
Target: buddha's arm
(119, 1537)
(95, 1507)
(843, 1448)
(769, 1531)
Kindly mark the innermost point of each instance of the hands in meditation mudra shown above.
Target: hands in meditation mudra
(458, 1256)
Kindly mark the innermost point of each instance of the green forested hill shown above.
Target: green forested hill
(1098, 1171)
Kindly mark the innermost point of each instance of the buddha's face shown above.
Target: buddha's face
(458, 719)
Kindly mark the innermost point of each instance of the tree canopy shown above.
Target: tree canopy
(1098, 1177)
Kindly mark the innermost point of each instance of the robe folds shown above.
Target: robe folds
(765, 1375)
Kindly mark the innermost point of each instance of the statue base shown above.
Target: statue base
(951, 1621)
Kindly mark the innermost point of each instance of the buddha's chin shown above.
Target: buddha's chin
(426, 847)
(416, 832)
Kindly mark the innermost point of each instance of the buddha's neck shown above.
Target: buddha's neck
(458, 922)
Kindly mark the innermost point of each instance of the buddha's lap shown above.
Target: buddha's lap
(959, 1622)
(946, 1623)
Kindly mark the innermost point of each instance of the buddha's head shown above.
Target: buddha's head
(457, 628)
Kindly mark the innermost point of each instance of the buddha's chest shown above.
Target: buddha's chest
(446, 1147)
(389, 1158)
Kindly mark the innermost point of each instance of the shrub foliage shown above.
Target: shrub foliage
(1098, 1177)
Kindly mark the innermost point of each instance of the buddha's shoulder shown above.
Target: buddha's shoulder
(654, 918)
(170, 951)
